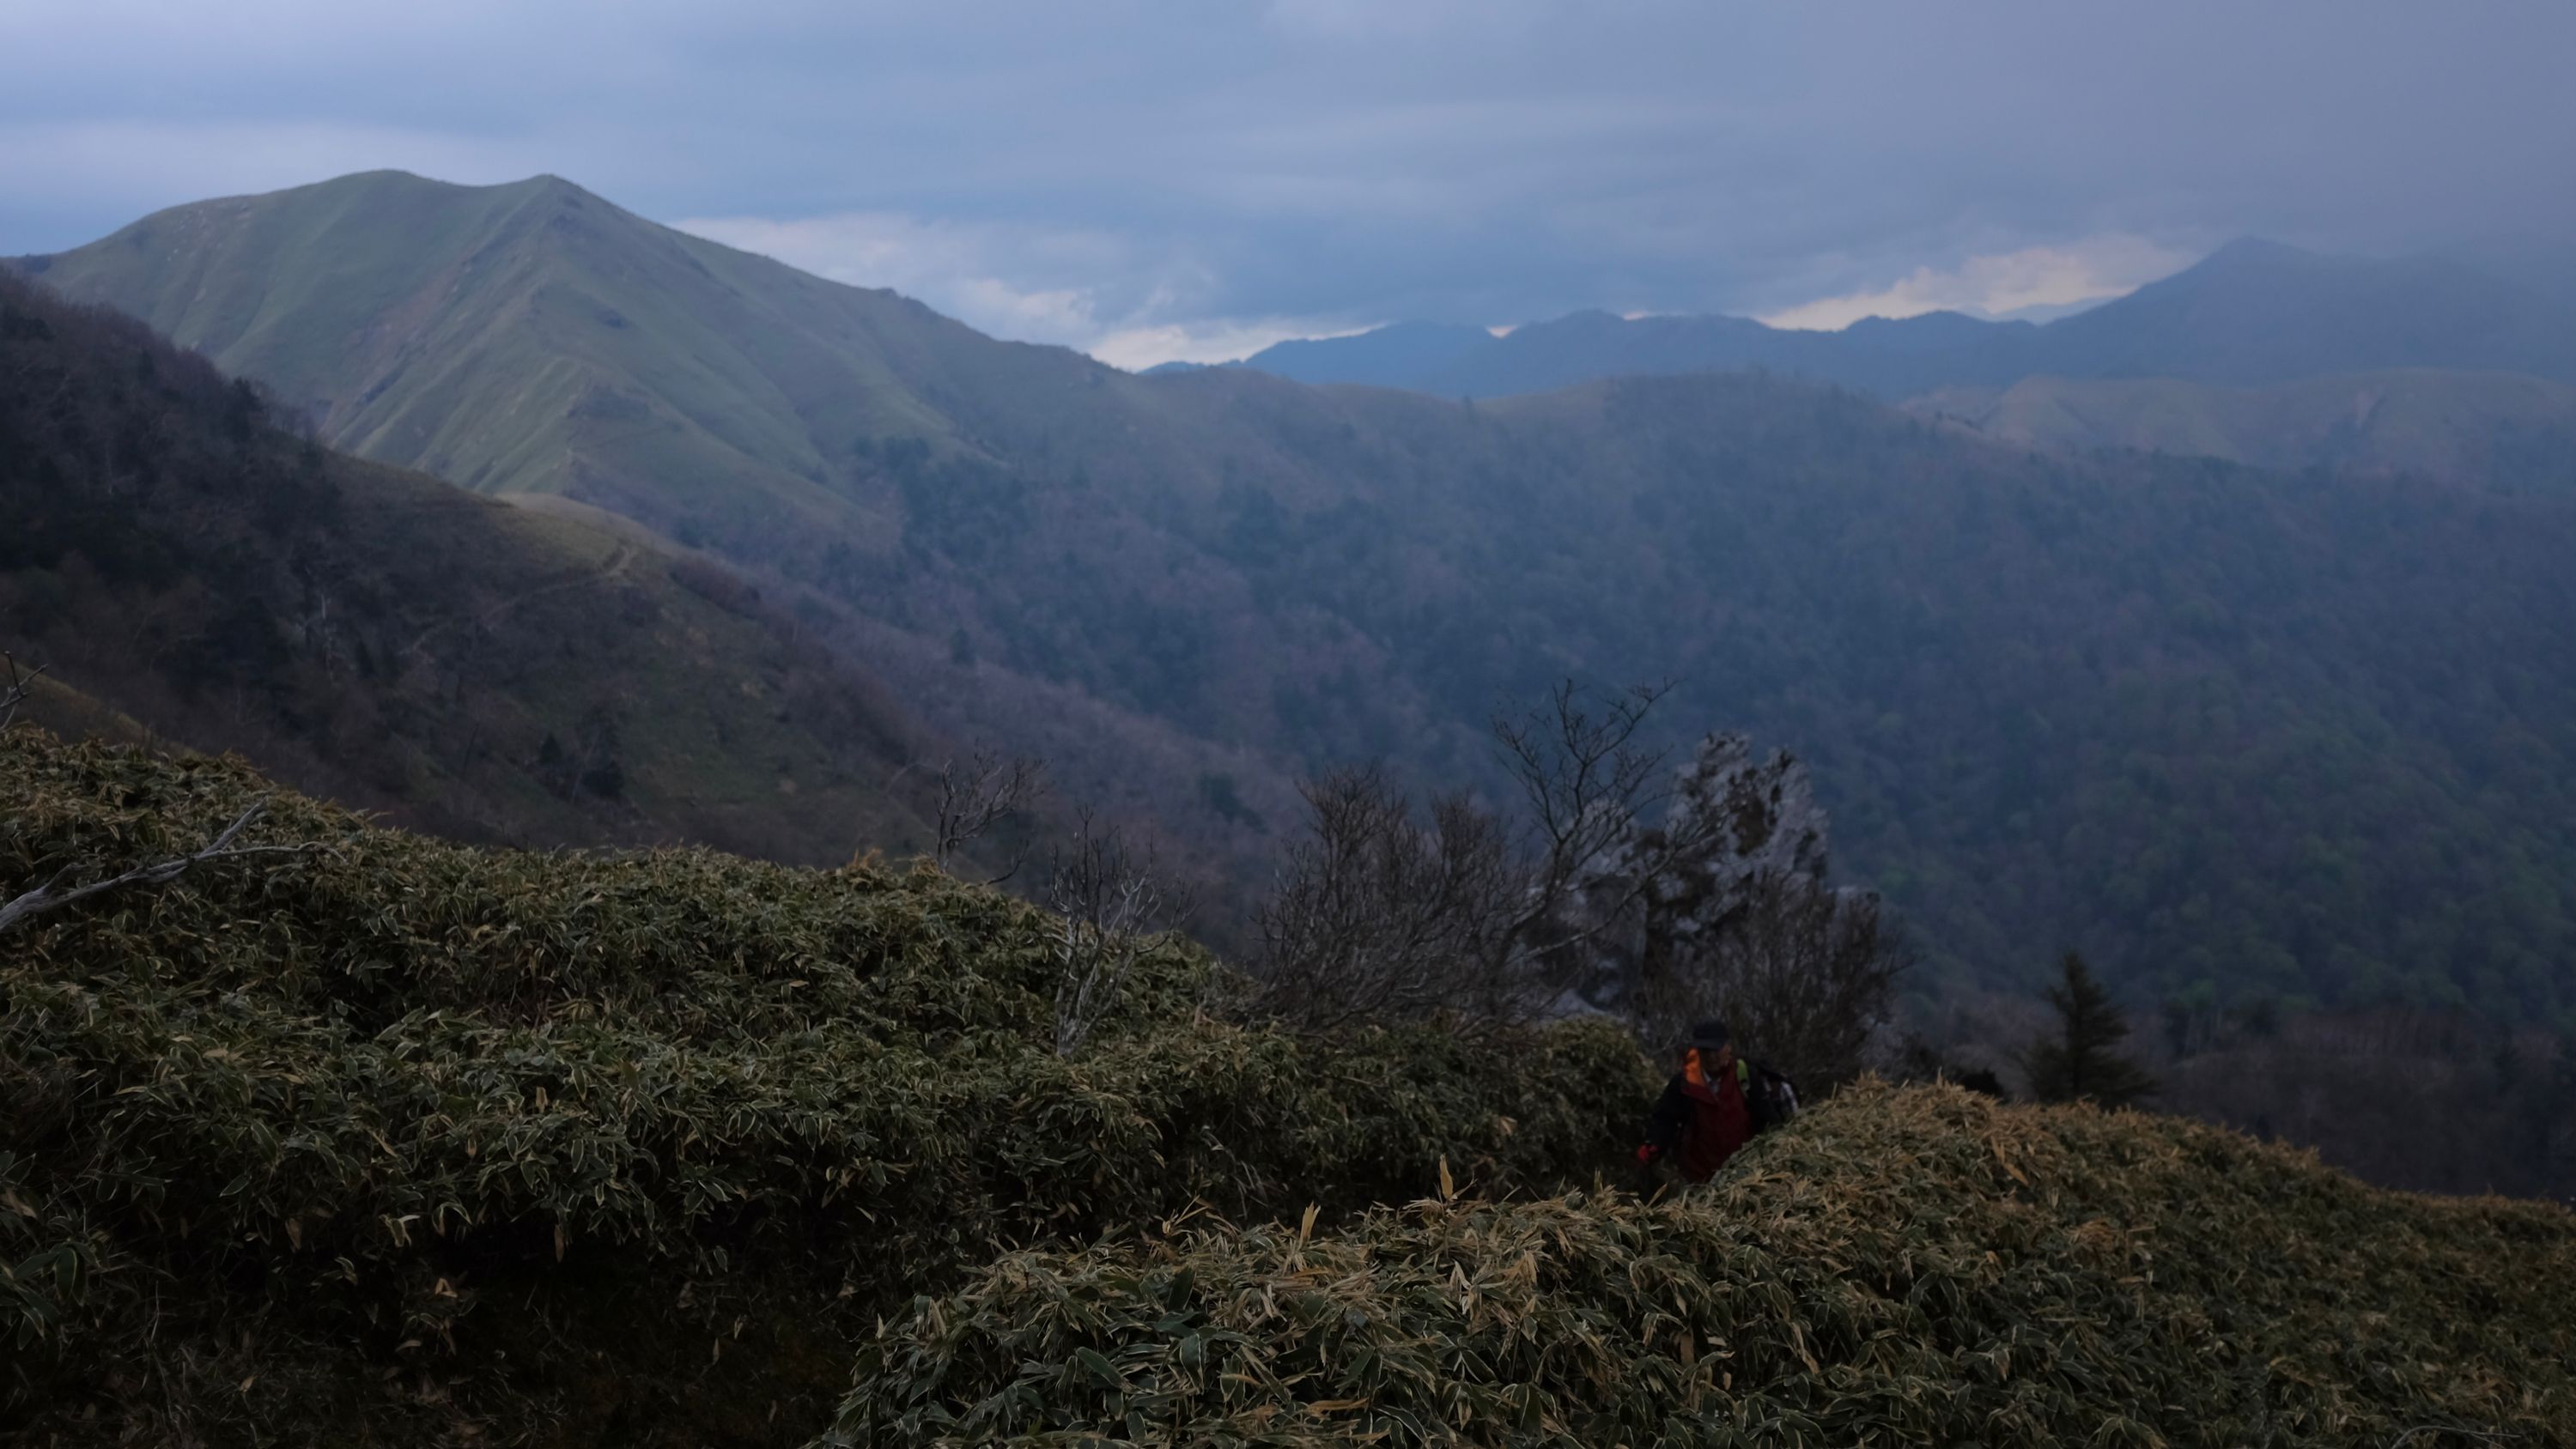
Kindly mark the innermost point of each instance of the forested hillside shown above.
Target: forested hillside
(2236, 733)
(489, 671)
(2487, 430)
(2208, 718)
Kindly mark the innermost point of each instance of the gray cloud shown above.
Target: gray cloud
(1217, 172)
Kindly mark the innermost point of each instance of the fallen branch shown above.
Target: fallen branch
(45, 897)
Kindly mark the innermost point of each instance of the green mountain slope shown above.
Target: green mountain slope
(525, 338)
(2294, 737)
(486, 670)
(2481, 429)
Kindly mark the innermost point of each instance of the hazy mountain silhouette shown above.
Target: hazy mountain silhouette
(2251, 312)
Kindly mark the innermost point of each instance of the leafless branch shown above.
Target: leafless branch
(1590, 786)
(1570, 762)
(1380, 916)
(46, 897)
(1108, 901)
(987, 791)
(1715, 906)
(20, 688)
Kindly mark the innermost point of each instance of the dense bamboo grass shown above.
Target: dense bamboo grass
(394, 1141)
(403, 1110)
(1902, 1266)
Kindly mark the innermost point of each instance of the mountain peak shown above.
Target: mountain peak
(536, 292)
(2249, 248)
(392, 185)
(1388, 356)
(2247, 259)
(547, 184)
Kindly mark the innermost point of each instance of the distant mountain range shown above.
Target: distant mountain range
(1402, 355)
(2307, 737)
(2253, 312)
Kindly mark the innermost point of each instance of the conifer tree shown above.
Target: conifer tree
(2079, 1061)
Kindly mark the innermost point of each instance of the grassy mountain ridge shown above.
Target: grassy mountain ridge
(2306, 738)
(484, 334)
(483, 669)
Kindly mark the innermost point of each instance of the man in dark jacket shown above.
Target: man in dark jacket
(1708, 1111)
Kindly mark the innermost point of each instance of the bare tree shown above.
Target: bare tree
(18, 690)
(1108, 902)
(1804, 973)
(48, 897)
(1586, 782)
(1379, 916)
(1633, 887)
(985, 792)
(1625, 845)
(1383, 914)
(1631, 853)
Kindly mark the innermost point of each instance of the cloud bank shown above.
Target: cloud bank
(1135, 175)
(1087, 289)
(2034, 283)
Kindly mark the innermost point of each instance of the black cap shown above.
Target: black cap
(1708, 1036)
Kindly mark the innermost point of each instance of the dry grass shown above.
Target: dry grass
(1904, 1266)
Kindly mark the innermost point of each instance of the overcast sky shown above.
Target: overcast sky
(1198, 178)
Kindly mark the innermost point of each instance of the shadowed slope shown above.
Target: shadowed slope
(490, 671)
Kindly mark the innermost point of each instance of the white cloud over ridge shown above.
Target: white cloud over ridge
(2031, 281)
(1085, 289)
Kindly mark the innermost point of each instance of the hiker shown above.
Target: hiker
(1711, 1107)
